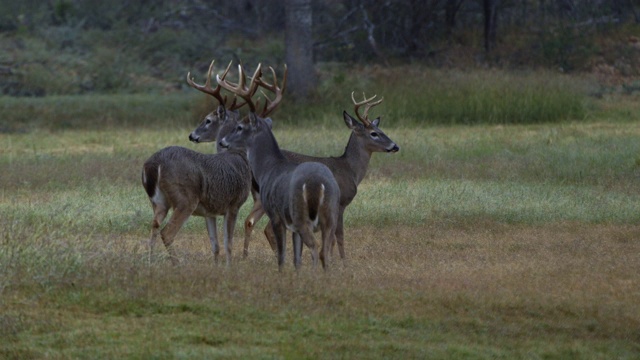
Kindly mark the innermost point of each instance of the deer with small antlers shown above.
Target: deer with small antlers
(302, 198)
(193, 183)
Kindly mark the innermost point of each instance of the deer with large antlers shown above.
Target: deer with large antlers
(224, 114)
(349, 169)
(192, 183)
(302, 198)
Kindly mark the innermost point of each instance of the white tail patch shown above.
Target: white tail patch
(304, 192)
(158, 197)
(321, 200)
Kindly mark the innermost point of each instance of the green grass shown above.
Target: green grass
(484, 241)
(413, 96)
(98, 111)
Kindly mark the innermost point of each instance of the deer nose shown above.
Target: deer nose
(223, 144)
(394, 148)
(193, 138)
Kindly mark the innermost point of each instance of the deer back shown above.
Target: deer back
(350, 168)
(182, 176)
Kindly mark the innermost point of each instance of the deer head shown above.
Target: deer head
(367, 130)
(208, 129)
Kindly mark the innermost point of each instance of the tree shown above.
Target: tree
(490, 8)
(301, 79)
(451, 8)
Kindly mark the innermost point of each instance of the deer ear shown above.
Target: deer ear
(269, 122)
(376, 121)
(351, 122)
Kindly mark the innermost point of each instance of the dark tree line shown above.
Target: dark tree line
(382, 30)
(170, 33)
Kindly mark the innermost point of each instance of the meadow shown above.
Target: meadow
(482, 238)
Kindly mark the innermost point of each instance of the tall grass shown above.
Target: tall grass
(481, 97)
(97, 111)
(412, 96)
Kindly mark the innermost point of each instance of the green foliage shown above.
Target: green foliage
(568, 48)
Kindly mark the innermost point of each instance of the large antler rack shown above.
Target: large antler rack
(270, 105)
(241, 89)
(368, 105)
(207, 89)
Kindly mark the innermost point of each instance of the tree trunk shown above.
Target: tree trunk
(301, 78)
(490, 24)
(451, 8)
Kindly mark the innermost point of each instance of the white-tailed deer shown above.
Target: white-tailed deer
(300, 197)
(217, 124)
(348, 169)
(193, 183)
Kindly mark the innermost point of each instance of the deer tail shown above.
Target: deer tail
(150, 178)
(314, 200)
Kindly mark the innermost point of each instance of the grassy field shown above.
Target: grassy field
(483, 242)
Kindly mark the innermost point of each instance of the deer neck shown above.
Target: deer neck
(264, 153)
(357, 158)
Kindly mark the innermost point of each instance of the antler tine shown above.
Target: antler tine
(234, 104)
(368, 105)
(270, 105)
(206, 88)
(240, 89)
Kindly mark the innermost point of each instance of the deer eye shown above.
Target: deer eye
(239, 128)
(374, 135)
(207, 121)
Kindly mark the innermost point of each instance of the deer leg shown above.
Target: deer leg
(213, 236)
(328, 238)
(271, 237)
(339, 235)
(229, 225)
(280, 231)
(159, 213)
(297, 249)
(308, 239)
(168, 233)
(257, 212)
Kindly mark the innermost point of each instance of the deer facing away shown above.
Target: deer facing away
(302, 198)
(299, 197)
(193, 183)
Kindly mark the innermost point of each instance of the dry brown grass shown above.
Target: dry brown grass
(567, 279)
